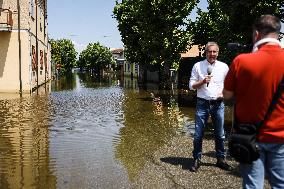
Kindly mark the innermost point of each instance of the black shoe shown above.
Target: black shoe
(222, 164)
(195, 165)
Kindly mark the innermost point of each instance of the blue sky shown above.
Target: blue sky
(85, 21)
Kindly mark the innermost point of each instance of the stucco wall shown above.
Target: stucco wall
(33, 32)
(9, 62)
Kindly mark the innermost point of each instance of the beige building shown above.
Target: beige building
(24, 48)
(194, 51)
(127, 69)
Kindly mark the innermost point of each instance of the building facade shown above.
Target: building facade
(24, 48)
(127, 69)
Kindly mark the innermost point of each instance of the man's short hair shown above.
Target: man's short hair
(267, 24)
(211, 43)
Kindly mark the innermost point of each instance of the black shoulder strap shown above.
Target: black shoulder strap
(276, 96)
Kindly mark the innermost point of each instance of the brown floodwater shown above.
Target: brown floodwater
(82, 132)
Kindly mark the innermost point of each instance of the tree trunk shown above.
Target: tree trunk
(165, 79)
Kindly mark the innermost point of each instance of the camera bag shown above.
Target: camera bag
(243, 142)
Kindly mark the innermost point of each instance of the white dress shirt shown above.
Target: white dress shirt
(216, 84)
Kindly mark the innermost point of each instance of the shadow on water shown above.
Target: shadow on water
(82, 131)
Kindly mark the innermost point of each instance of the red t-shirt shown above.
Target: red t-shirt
(254, 78)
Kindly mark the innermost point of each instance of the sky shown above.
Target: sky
(86, 21)
(83, 22)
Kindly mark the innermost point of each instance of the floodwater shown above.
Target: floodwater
(82, 132)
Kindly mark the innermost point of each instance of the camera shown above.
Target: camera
(239, 47)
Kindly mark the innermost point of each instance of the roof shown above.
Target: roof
(192, 52)
(117, 50)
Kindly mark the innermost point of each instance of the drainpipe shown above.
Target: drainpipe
(45, 38)
(20, 47)
(36, 4)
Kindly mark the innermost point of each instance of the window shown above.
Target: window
(40, 20)
(34, 65)
(41, 59)
(32, 7)
(45, 61)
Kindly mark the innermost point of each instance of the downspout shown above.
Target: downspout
(36, 4)
(45, 39)
(20, 46)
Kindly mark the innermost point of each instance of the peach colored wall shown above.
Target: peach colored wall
(32, 28)
(192, 52)
(9, 62)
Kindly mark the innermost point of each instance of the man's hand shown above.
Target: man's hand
(207, 79)
(200, 83)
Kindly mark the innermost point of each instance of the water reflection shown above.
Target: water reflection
(85, 123)
(67, 82)
(90, 80)
(24, 156)
(151, 119)
(128, 83)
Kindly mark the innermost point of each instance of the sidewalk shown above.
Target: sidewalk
(169, 168)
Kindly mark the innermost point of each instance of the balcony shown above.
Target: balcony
(6, 19)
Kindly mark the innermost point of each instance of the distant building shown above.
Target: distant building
(117, 53)
(194, 51)
(133, 70)
(127, 68)
(24, 49)
(188, 59)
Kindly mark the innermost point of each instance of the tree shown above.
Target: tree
(68, 54)
(154, 31)
(231, 21)
(95, 57)
(55, 51)
(63, 53)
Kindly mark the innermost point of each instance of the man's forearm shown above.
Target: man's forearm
(198, 84)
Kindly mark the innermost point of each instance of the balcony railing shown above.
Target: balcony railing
(6, 19)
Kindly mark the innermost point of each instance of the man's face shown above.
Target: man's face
(212, 53)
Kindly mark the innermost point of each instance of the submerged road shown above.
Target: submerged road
(169, 168)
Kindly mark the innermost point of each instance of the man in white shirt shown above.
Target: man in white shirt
(207, 77)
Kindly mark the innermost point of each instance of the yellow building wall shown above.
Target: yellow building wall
(9, 62)
(33, 30)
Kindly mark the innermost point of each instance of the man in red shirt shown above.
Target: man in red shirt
(252, 80)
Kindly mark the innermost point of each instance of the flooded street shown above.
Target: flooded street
(82, 132)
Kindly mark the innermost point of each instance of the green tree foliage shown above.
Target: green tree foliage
(55, 52)
(154, 31)
(63, 52)
(68, 54)
(231, 21)
(96, 57)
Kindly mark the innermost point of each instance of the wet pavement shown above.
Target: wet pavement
(169, 168)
